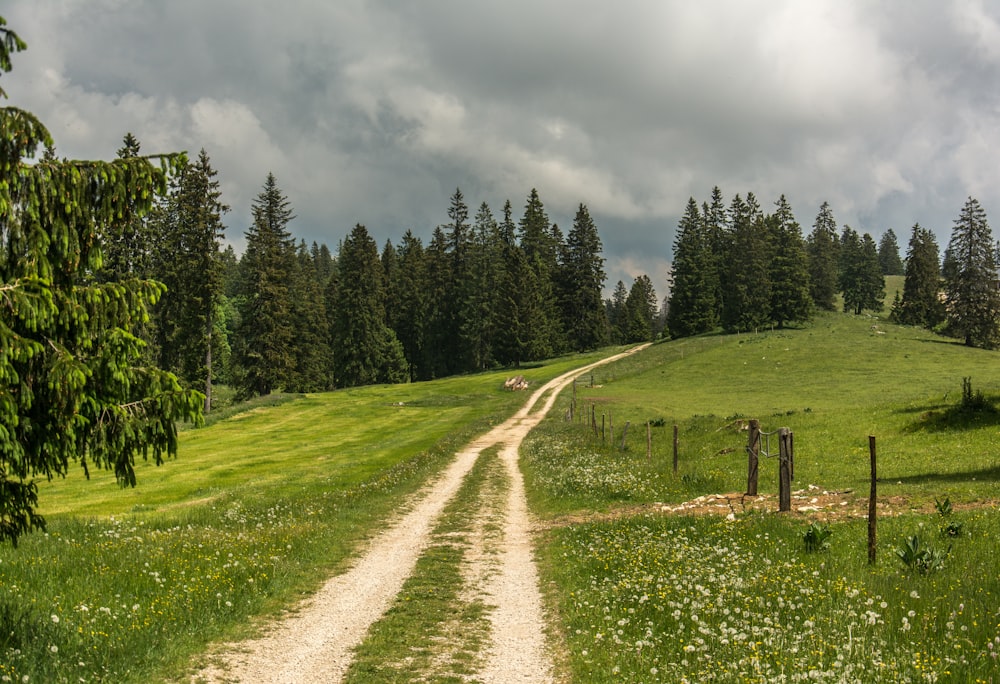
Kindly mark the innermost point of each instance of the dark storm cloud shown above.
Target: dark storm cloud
(374, 112)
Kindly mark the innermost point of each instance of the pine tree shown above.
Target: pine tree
(888, 254)
(266, 334)
(640, 310)
(188, 232)
(520, 325)
(125, 240)
(365, 349)
(484, 293)
(617, 319)
(971, 283)
(438, 326)
(861, 280)
(313, 367)
(582, 280)
(408, 314)
(541, 250)
(458, 346)
(821, 249)
(921, 301)
(692, 292)
(789, 268)
(73, 386)
(718, 233)
(747, 303)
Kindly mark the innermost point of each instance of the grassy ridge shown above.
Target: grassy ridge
(833, 383)
(130, 585)
(645, 596)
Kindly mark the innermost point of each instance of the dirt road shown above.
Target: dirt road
(316, 642)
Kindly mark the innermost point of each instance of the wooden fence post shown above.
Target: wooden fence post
(784, 471)
(625, 433)
(593, 418)
(649, 441)
(871, 503)
(675, 449)
(753, 456)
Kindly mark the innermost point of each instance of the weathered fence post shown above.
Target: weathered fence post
(791, 456)
(649, 441)
(753, 455)
(784, 471)
(625, 433)
(871, 503)
(593, 418)
(675, 449)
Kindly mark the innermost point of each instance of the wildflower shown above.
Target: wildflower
(914, 594)
(55, 618)
(54, 648)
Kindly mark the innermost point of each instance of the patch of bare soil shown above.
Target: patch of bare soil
(810, 503)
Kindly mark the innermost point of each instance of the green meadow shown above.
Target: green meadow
(266, 501)
(646, 595)
(260, 506)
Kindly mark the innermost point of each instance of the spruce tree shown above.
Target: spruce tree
(692, 292)
(438, 326)
(313, 358)
(126, 241)
(821, 249)
(747, 303)
(458, 347)
(484, 293)
(365, 349)
(789, 268)
(640, 310)
(718, 233)
(408, 315)
(888, 254)
(971, 283)
(582, 280)
(266, 333)
(541, 250)
(188, 232)
(617, 319)
(73, 383)
(921, 301)
(861, 280)
(520, 325)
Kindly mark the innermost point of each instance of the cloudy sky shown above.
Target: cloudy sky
(374, 111)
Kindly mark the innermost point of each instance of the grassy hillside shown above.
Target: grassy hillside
(833, 383)
(647, 593)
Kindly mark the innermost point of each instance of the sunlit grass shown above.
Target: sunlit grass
(649, 596)
(258, 508)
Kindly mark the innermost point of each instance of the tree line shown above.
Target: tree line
(738, 268)
(484, 292)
